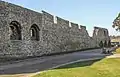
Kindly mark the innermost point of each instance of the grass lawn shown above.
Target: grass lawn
(117, 51)
(103, 68)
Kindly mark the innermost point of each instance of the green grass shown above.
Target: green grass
(117, 51)
(102, 68)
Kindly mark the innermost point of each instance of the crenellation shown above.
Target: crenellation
(62, 22)
(74, 25)
(48, 16)
(82, 27)
(24, 33)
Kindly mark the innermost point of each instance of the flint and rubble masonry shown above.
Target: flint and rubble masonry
(24, 33)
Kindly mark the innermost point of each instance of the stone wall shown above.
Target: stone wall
(47, 37)
(101, 34)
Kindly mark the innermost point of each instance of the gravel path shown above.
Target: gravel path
(114, 56)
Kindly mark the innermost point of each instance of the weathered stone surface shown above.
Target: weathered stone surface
(100, 34)
(51, 37)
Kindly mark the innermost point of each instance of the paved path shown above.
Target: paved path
(43, 63)
(114, 56)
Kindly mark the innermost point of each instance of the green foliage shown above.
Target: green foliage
(118, 15)
(116, 23)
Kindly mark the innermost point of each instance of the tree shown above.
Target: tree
(116, 23)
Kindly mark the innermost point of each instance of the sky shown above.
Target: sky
(89, 13)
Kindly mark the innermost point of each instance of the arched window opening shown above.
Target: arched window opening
(34, 32)
(15, 33)
(101, 44)
(104, 33)
(105, 43)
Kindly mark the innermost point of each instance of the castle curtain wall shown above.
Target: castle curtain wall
(53, 37)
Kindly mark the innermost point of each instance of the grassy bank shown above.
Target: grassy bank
(102, 68)
(117, 51)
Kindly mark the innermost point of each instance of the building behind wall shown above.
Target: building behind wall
(24, 33)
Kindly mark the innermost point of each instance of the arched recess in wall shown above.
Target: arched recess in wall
(105, 33)
(101, 44)
(15, 29)
(105, 43)
(34, 32)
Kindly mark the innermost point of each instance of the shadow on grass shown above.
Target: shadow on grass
(86, 63)
(79, 64)
(40, 67)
